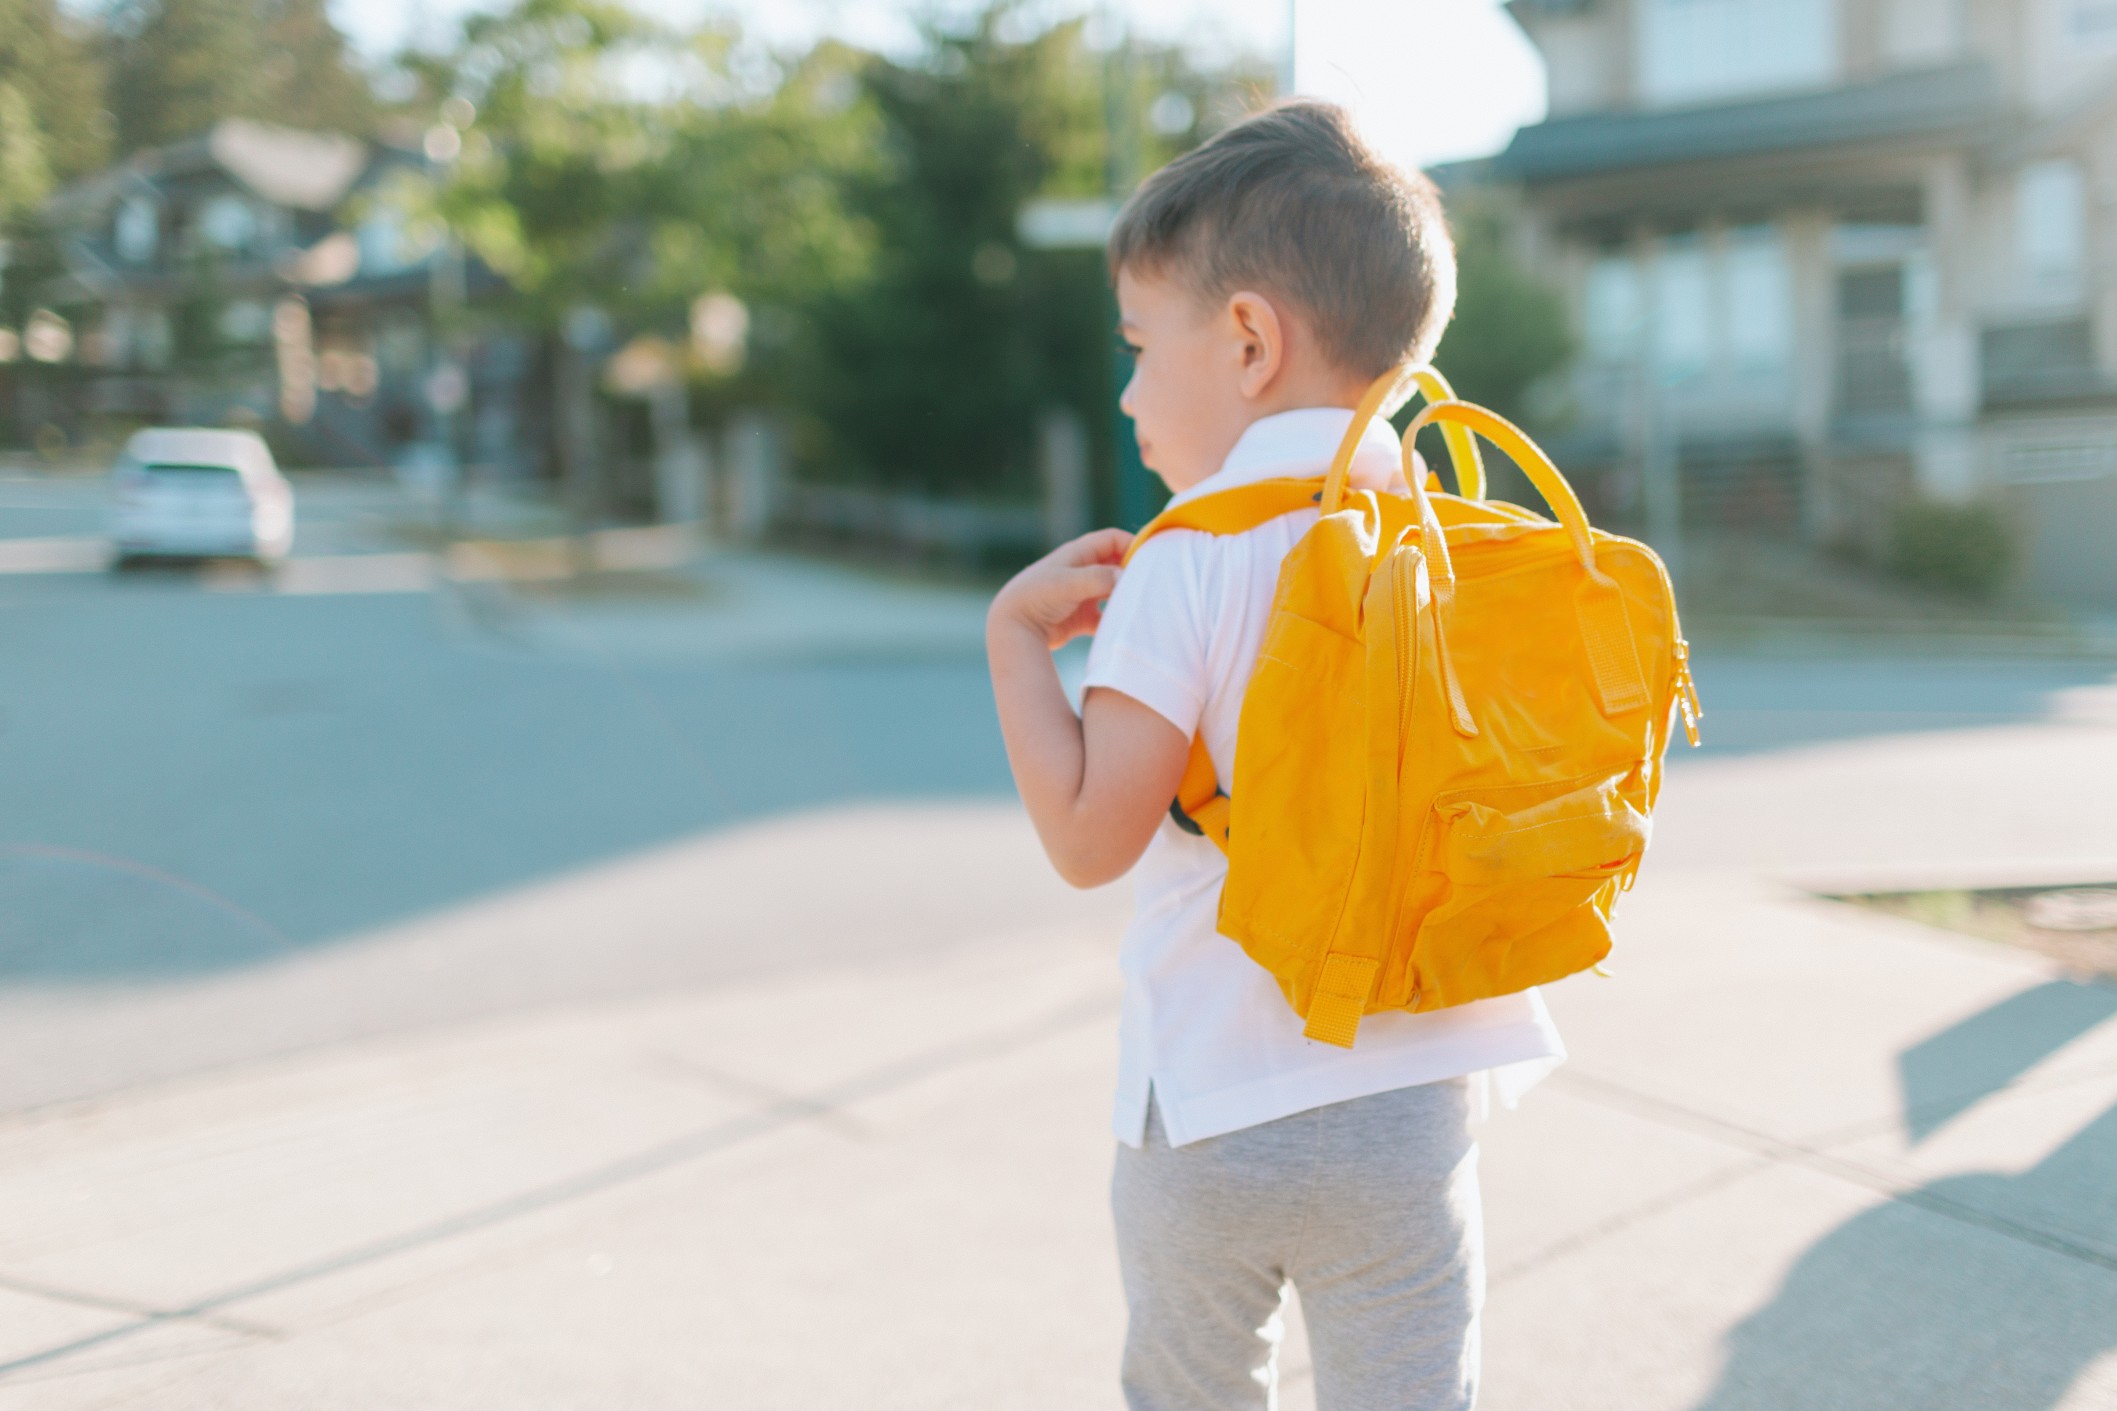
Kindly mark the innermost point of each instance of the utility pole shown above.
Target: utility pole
(1136, 497)
(1661, 473)
(1660, 459)
(448, 382)
(1290, 72)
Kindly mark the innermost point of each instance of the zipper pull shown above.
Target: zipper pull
(1687, 693)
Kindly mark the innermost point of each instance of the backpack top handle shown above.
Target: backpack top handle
(1542, 473)
(1384, 395)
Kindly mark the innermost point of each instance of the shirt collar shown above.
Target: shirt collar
(1301, 443)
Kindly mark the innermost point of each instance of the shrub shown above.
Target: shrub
(1966, 550)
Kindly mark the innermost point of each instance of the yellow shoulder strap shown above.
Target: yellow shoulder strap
(1233, 511)
(1200, 806)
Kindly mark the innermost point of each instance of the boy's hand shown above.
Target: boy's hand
(1060, 596)
(1097, 784)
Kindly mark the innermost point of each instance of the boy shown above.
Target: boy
(1264, 280)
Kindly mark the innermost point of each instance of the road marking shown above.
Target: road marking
(356, 573)
(63, 555)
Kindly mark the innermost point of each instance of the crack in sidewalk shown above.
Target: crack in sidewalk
(1781, 1150)
(103, 1303)
(831, 1117)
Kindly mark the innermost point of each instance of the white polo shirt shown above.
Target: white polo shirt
(1204, 1027)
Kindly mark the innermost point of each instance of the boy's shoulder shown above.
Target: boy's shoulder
(1201, 576)
(1255, 546)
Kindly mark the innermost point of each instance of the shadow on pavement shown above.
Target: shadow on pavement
(200, 782)
(1985, 1291)
(1944, 1076)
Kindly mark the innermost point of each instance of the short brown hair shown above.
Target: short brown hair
(1292, 202)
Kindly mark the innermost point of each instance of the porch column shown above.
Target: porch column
(1943, 337)
(1812, 281)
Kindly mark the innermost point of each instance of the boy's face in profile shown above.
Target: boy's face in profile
(1186, 397)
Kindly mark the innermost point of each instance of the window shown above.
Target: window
(382, 243)
(1683, 307)
(228, 222)
(1759, 303)
(1719, 307)
(1695, 50)
(137, 229)
(389, 243)
(1613, 313)
(2050, 226)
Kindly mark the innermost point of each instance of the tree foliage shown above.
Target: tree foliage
(865, 208)
(52, 124)
(1508, 335)
(1510, 329)
(933, 371)
(178, 66)
(620, 164)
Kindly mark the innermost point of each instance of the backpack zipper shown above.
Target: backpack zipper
(1687, 693)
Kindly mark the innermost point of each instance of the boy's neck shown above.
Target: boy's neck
(1325, 395)
(1306, 389)
(1265, 413)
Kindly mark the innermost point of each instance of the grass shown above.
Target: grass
(2000, 914)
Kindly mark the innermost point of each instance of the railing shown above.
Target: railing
(1873, 373)
(2045, 361)
(1720, 403)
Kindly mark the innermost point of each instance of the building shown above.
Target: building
(277, 277)
(1828, 256)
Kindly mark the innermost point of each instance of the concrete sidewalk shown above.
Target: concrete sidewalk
(1803, 1157)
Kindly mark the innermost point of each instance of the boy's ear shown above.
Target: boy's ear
(1260, 341)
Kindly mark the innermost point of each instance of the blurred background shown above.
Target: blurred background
(585, 852)
(1808, 293)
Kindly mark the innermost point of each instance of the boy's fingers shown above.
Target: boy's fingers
(1103, 546)
(1093, 582)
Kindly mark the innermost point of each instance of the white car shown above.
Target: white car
(198, 492)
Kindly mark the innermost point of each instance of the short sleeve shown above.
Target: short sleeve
(1151, 644)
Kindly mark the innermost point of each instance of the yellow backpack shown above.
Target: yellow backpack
(1451, 746)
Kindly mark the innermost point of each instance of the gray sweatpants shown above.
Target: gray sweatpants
(1368, 1207)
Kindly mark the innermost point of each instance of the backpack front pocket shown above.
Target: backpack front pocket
(1531, 872)
(1591, 828)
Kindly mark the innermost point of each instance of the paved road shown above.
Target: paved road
(239, 821)
(208, 786)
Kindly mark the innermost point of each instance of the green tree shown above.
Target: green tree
(1510, 329)
(179, 66)
(932, 372)
(583, 185)
(1509, 333)
(25, 166)
(618, 170)
(52, 124)
(311, 78)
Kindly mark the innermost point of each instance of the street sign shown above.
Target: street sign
(1065, 223)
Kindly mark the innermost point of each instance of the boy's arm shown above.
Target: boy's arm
(1096, 784)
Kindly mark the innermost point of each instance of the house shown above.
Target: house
(278, 277)
(1831, 256)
